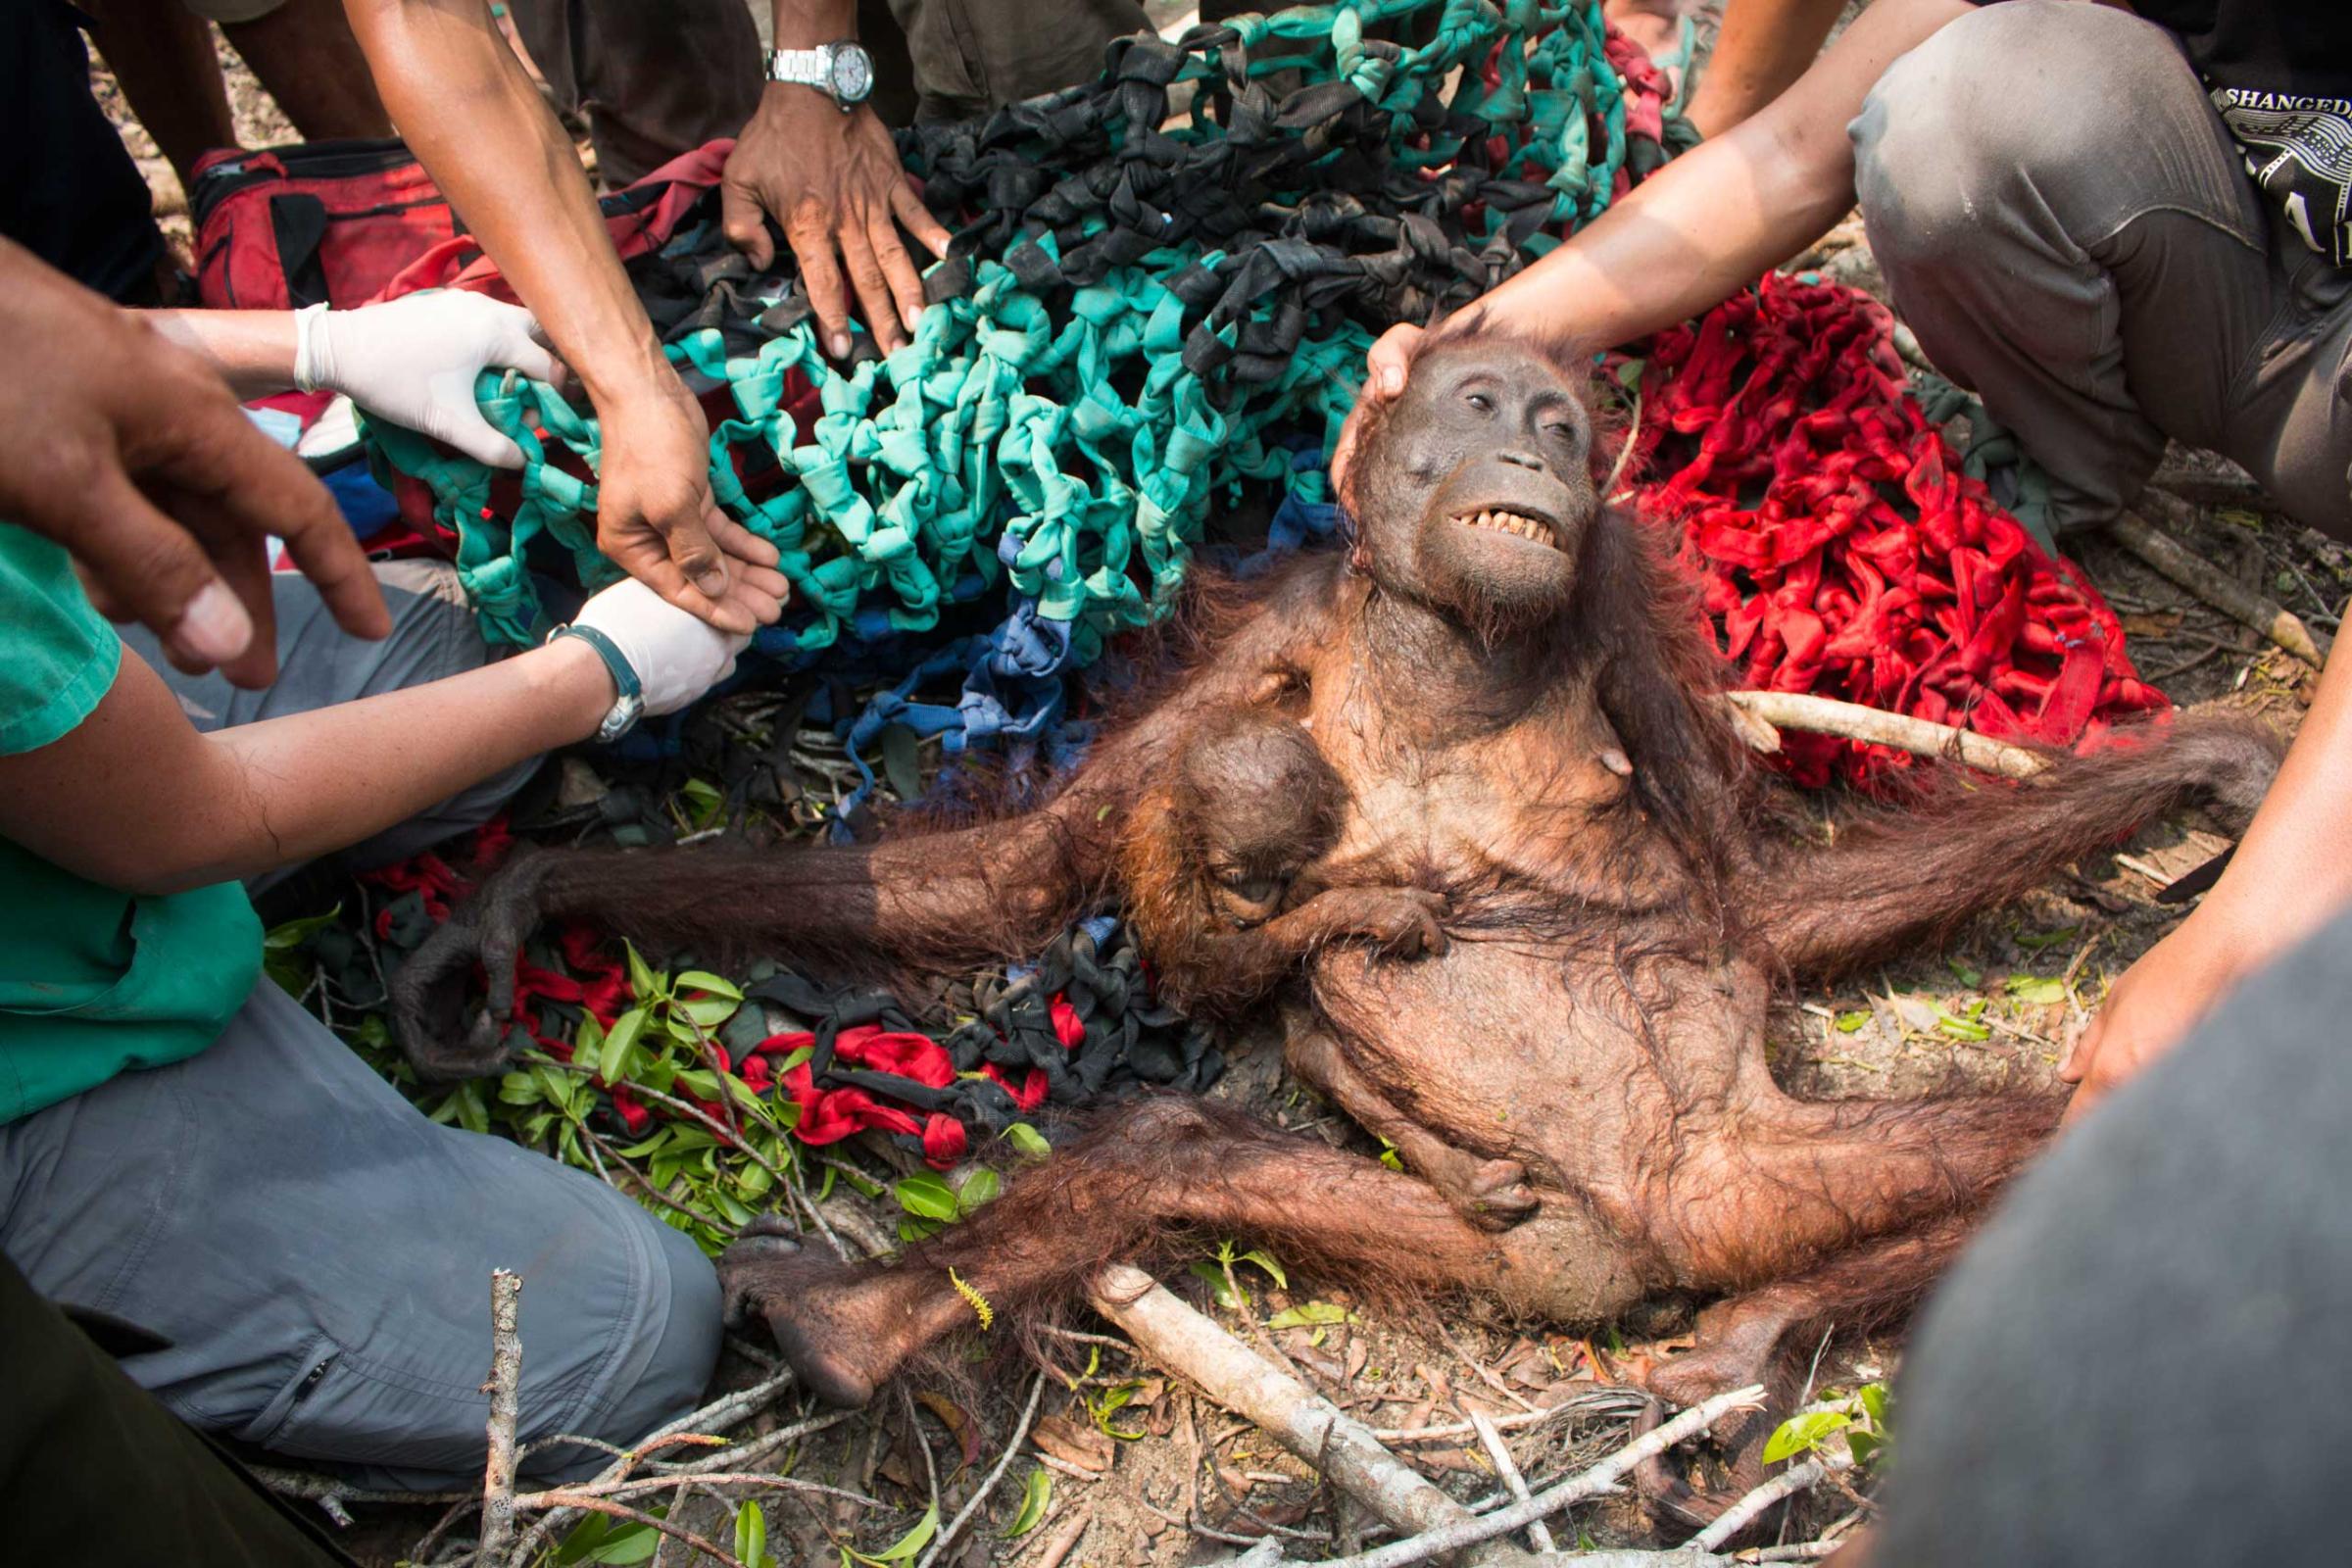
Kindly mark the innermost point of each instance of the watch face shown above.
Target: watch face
(852, 75)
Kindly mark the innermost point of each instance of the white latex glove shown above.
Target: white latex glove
(677, 656)
(414, 361)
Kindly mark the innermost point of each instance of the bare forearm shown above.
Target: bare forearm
(1764, 46)
(806, 23)
(472, 115)
(253, 350)
(1712, 220)
(2294, 869)
(136, 799)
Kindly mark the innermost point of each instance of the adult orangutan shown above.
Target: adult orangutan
(1463, 801)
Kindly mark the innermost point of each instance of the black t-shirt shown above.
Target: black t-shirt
(2280, 74)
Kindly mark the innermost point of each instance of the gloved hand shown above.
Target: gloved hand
(677, 656)
(414, 361)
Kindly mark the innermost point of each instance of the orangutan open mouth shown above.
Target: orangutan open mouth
(1518, 524)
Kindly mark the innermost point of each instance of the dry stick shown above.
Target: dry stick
(2217, 588)
(1302, 1420)
(1788, 1483)
(1538, 1535)
(947, 1537)
(1066, 1539)
(1590, 1483)
(1463, 1429)
(566, 1497)
(506, 1378)
(1826, 716)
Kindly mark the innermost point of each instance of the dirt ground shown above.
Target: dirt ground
(1166, 1479)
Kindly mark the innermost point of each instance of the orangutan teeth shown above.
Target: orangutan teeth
(1532, 530)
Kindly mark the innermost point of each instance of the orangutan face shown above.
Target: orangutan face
(1473, 494)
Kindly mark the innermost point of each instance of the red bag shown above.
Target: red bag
(325, 221)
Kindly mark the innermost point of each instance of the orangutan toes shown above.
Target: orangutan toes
(1402, 922)
(1497, 1196)
(811, 1305)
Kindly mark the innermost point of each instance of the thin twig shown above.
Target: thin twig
(2217, 588)
(1020, 1432)
(1874, 726)
(566, 1496)
(1538, 1535)
(1064, 1539)
(506, 1379)
(1788, 1483)
(1463, 1429)
(1588, 1483)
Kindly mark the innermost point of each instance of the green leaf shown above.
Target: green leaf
(518, 1089)
(1963, 1028)
(1849, 1022)
(1968, 977)
(1802, 1434)
(899, 761)
(1389, 1155)
(750, 1536)
(294, 933)
(1027, 1141)
(709, 1012)
(1272, 1269)
(2035, 940)
(611, 1061)
(1308, 1315)
(1628, 374)
(1034, 1498)
(1873, 1399)
(2035, 991)
(705, 980)
(1229, 1296)
(1864, 1444)
(980, 1187)
(642, 980)
(904, 1549)
(624, 1544)
(927, 1196)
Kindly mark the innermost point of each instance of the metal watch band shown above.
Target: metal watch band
(801, 68)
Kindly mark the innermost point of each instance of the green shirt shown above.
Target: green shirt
(92, 981)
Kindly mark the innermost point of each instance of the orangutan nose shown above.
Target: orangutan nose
(1522, 460)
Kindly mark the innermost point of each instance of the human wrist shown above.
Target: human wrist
(811, 24)
(574, 683)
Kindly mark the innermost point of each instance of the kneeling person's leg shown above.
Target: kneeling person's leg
(2063, 222)
(317, 1255)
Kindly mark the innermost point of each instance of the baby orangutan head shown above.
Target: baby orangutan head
(1258, 802)
(1472, 491)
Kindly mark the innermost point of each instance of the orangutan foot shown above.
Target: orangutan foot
(1739, 1343)
(828, 1317)
(1492, 1194)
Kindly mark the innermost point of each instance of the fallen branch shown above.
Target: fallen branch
(1586, 1484)
(2218, 588)
(1302, 1420)
(506, 1380)
(964, 1515)
(1788, 1483)
(1538, 1535)
(1826, 715)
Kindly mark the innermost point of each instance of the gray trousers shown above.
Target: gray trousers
(2141, 1363)
(313, 1254)
(2067, 228)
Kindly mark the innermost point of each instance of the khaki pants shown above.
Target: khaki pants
(2067, 226)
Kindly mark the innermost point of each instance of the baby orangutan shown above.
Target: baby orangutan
(1210, 866)
(1465, 805)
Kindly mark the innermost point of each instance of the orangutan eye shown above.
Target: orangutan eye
(1481, 402)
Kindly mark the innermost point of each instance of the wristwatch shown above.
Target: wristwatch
(843, 71)
(629, 706)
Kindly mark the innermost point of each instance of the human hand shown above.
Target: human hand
(677, 656)
(413, 362)
(131, 453)
(2147, 1012)
(1385, 367)
(835, 185)
(656, 519)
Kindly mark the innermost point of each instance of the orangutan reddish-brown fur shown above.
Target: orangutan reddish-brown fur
(1514, 738)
